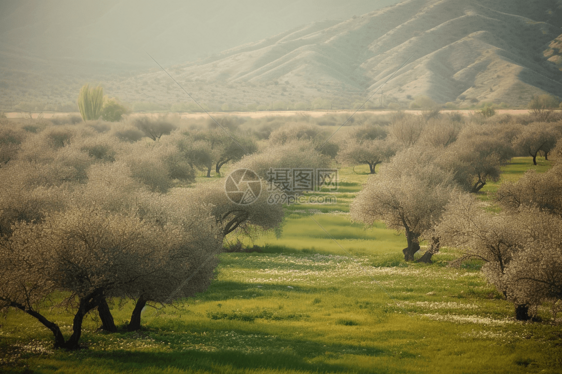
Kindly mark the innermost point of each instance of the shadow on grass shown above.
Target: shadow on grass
(225, 290)
(272, 354)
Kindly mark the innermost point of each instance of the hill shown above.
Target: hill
(51, 47)
(462, 51)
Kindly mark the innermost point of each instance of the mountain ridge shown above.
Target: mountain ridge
(454, 51)
(457, 49)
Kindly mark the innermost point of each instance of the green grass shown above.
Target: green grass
(327, 296)
(512, 172)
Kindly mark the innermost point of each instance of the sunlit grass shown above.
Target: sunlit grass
(327, 296)
(512, 172)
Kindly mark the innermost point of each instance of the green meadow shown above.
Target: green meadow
(326, 296)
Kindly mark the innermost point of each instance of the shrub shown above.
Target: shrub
(66, 120)
(113, 111)
(129, 134)
(100, 148)
(10, 140)
(90, 102)
(99, 126)
(154, 129)
(488, 111)
(59, 137)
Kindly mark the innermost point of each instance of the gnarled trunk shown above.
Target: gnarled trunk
(433, 249)
(534, 156)
(59, 338)
(413, 246)
(87, 303)
(135, 323)
(108, 324)
(220, 165)
(522, 313)
(478, 186)
(372, 166)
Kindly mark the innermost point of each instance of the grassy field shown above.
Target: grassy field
(327, 296)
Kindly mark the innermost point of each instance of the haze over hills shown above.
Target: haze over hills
(49, 44)
(462, 51)
(454, 50)
(118, 32)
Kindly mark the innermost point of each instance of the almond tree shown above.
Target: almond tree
(85, 251)
(192, 239)
(157, 165)
(230, 216)
(534, 275)
(216, 147)
(521, 250)
(154, 128)
(539, 190)
(370, 152)
(535, 138)
(198, 153)
(233, 150)
(305, 132)
(409, 194)
(407, 130)
(441, 133)
(472, 163)
(294, 154)
(367, 145)
(488, 237)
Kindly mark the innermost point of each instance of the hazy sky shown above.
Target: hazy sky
(110, 34)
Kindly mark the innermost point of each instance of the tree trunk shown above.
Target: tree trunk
(477, 186)
(433, 249)
(545, 155)
(522, 313)
(373, 167)
(135, 323)
(86, 304)
(59, 338)
(108, 324)
(534, 158)
(209, 172)
(412, 248)
(219, 165)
